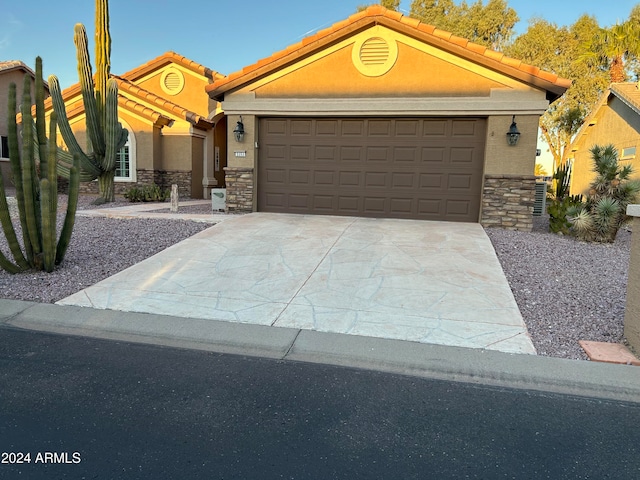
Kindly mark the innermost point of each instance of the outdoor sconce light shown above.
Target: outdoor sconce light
(513, 135)
(239, 131)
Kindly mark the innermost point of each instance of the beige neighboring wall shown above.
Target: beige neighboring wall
(615, 124)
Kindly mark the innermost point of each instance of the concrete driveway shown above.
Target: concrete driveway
(429, 282)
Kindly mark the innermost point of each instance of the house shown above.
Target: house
(11, 72)
(172, 139)
(381, 115)
(615, 120)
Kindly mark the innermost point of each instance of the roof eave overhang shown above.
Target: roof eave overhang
(298, 52)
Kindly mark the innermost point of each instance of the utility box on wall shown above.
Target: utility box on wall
(218, 199)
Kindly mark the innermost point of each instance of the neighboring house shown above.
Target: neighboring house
(11, 72)
(172, 139)
(614, 120)
(383, 116)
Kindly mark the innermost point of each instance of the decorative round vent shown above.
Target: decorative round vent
(172, 81)
(374, 51)
(374, 56)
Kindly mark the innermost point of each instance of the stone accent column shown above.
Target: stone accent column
(240, 189)
(632, 311)
(507, 201)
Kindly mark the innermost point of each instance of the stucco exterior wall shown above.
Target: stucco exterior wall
(502, 159)
(190, 96)
(176, 152)
(632, 312)
(617, 125)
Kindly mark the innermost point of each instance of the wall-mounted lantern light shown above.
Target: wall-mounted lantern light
(239, 131)
(513, 135)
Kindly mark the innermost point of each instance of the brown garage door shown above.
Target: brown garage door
(422, 168)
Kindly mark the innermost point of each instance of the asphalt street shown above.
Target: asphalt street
(100, 409)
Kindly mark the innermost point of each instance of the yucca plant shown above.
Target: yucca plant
(600, 217)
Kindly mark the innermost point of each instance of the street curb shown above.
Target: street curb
(477, 366)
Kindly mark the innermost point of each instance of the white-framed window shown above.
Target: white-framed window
(628, 153)
(126, 159)
(4, 147)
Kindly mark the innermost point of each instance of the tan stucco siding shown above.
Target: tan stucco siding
(414, 73)
(241, 155)
(616, 124)
(176, 153)
(191, 96)
(6, 79)
(507, 160)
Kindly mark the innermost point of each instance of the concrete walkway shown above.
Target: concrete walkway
(428, 282)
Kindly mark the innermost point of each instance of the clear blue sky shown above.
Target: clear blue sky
(220, 34)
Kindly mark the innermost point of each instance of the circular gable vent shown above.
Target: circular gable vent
(374, 51)
(172, 81)
(374, 56)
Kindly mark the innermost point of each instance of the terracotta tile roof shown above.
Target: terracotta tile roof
(126, 85)
(378, 15)
(171, 57)
(192, 117)
(154, 115)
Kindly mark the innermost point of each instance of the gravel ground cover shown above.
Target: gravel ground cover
(566, 290)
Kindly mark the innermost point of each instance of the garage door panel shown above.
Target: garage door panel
(434, 155)
(299, 177)
(324, 178)
(432, 180)
(403, 180)
(350, 128)
(459, 181)
(435, 128)
(401, 168)
(351, 153)
(327, 128)
(464, 128)
(350, 179)
(375, 179)
(405, 154)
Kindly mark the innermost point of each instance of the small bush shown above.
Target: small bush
(147, 193)
(604, 212)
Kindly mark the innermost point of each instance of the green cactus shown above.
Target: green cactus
(36, 194)
(105, 134)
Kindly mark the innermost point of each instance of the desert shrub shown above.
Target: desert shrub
(600, 217)
(560, 201)
(147, 193)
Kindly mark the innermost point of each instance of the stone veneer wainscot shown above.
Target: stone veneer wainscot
(240, 183)
(507, 201)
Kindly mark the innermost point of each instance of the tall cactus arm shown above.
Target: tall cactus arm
(16, 169)
(48, 227)
(113, 127)
(88, 164)
(6, 264)
(103, 56)
(31, 199)
(91, 104)
(41, 129)
(52, 164)
(70, 217)
(10, 234)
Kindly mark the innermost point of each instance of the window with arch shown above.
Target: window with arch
(126, 159)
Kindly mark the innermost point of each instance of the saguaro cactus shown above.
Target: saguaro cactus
(105, 134)
(37, 195)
